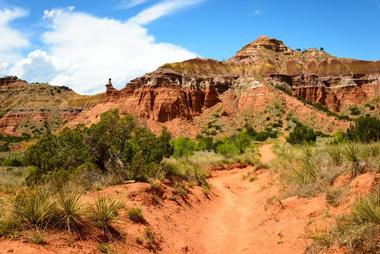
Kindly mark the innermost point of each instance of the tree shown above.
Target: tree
(301, 134)
(183, 147)
(366, 129)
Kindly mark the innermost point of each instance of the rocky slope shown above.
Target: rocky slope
(240, 89)
(37, 108)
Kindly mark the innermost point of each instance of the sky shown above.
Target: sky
(80, 44)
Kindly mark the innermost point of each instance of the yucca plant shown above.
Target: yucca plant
(34, 207)
(70, 209)
(368, 209)
(104, 212)
(352, 153)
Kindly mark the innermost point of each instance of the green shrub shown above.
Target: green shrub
(355, 111)
(352, 153)
(333, 196)
(228, 148)
(38, 238)
(4, 147)
(335, 154)
(204, 143)
(366, 129)
(242, 141)
(115, 146)
(183, 147)
(301, 134)
(356, 231)
(12, 162)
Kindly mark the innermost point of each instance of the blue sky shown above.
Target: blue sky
(81, 43)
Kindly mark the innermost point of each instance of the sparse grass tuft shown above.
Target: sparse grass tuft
(136, 215)
(38, 238)
(333, 196)
(105, 248)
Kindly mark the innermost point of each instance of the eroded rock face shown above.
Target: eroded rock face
(335, 92)
(166, 95)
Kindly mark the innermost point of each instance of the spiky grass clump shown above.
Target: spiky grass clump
(352, 153)
(34, 208)
(70, 210)
(104, 212)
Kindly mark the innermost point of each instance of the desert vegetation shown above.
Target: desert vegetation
(309, 169)
(49, 179)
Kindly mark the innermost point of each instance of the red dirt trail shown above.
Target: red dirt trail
(238, 219)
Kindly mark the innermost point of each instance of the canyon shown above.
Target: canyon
(183, 96)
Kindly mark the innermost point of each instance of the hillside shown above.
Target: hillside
(37, 108)
(265, 84)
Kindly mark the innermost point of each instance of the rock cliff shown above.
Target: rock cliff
(186, 89)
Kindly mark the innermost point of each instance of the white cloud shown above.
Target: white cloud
(39, 66)
(131, 3)
(82, 51)
(161, 9)
(11, 41)
(257, 12)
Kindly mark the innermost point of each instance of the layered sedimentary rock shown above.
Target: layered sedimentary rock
(164, 95)
(184, 90)
(334, 91)
(37, 108)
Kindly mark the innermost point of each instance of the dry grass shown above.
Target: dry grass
(309, 170)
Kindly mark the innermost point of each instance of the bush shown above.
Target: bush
(136, 215)
(183, 147)
(357, 231)
(352, 153)
(301, 134)
(355, 111)
(204, 143)
(5, 147)
(12, 162)
(115, 147)
(366, 129)
(228, 148)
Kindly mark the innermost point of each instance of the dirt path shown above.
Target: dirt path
(266, 153)
(240, 220)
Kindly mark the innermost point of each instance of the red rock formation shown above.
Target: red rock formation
(166, 95)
